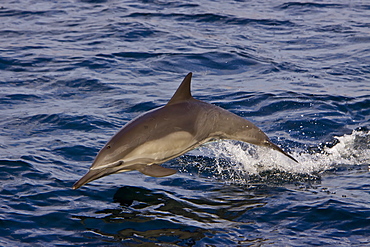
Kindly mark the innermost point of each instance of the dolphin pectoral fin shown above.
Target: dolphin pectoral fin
(156, 170)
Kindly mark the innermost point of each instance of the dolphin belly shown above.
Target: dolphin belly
(161, 149)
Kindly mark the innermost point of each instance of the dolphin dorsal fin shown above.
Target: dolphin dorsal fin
(183, 92)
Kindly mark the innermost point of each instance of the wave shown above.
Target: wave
(211, 18)
(242, 163)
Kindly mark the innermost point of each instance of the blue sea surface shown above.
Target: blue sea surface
(73, 72)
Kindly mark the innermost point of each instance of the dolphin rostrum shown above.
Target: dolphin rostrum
(164, 133)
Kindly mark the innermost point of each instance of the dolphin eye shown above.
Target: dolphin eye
(108, 147)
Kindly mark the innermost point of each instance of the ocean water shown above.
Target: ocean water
(74, 72)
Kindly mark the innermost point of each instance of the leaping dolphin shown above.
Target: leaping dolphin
(164, 133)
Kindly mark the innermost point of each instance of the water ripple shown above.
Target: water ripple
(74, 74)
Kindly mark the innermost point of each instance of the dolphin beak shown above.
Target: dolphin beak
(90, 176)
(98, 173)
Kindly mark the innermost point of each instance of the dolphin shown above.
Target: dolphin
(167, 132)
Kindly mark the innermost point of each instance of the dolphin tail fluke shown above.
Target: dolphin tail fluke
(277, 148)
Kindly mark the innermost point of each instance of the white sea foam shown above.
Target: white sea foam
(239, 160)
(353, 149)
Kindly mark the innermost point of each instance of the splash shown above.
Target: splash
(243, 163)
(353, 149)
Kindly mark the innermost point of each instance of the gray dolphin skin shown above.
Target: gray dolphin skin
(164, 133)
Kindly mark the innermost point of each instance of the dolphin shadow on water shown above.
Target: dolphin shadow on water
(167, 132)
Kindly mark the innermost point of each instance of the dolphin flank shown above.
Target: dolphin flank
(167, 132)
